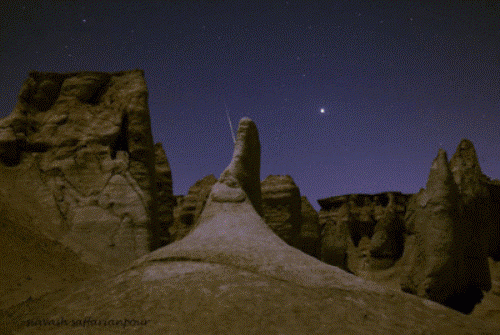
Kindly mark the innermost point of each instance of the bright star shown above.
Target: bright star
(322, 111)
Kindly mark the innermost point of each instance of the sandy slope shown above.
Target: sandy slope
(32, 265)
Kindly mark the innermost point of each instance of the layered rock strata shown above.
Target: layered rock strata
(78, 147)
(282, 206)
(188, 208)
(362, 231)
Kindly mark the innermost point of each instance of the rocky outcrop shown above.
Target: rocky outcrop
(290, 216)
(78, 147)
(449, 265)
(188, 208)
(309, 236)
(387, 240)
(478, 194)
(362, 231)
(178, 230)
(281, 206)
(233, 275)
(194, 201)
(434, 244)
(165, 201)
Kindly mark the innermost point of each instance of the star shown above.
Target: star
(322, 111)
(84, 20)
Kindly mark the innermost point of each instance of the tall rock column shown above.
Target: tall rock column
(441, 268)
(479, 208)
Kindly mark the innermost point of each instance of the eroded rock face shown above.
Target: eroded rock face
(290, 216)
(478, 195)
(84, 143)
(246, 163)
(233, 275)
(449, 265)
(387, 240)
(309, 237)
(189, 207)
(360, 232)
(165, 200)
(282, 207)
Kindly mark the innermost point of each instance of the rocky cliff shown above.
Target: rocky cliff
(362, 231)
(77, 154)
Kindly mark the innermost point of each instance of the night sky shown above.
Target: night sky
(348, 96)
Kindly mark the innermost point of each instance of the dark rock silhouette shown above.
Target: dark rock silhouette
(165, 201)
(77, 150)
(478, 195)
(448, 266)
(231, 274)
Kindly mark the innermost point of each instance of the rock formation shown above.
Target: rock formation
(194, 202)
(233, 275)
(361, 231)
(309, 235)
(448, 265)
(165, 200)
(78, 150)
(290, 216)
(434, 244)
(387, 240)
(189, 207)
(282, 206)
(480, 208)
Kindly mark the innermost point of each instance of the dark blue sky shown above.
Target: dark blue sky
(396, 80)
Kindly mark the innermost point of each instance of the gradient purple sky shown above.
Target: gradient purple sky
(396, 79)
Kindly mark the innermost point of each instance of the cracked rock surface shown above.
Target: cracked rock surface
(77, 153)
